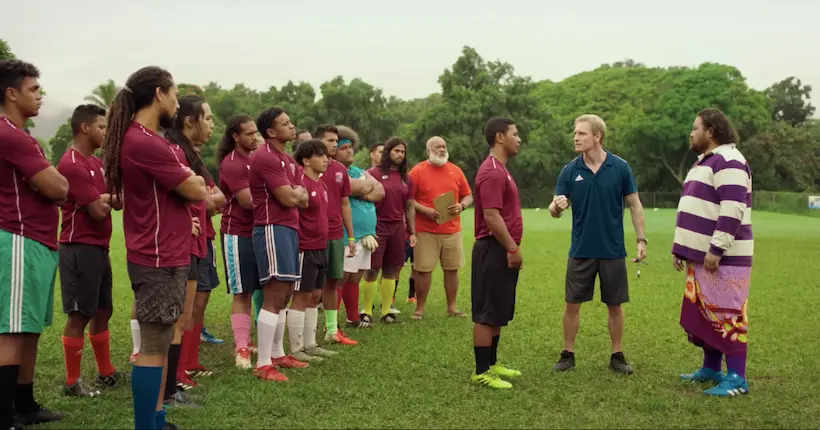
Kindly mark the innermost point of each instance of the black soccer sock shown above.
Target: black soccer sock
(395, 290)
(24, 399)
(494, 350)
(482, 359)
(8, 379)
(171, 376)
(412, 292)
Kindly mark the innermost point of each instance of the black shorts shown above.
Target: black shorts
(314, 271)
(580, 280)
(493, 284)
(408, 252)
(193, 268)
(85, 278)
(208, 279)
(159, 292)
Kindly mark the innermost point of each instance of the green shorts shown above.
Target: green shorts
(336, 258)
(27, 273)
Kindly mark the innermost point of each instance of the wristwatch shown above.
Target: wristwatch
(463, 207)
(643, 239)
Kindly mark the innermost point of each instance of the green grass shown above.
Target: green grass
(417, 374)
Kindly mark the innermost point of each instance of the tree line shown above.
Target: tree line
(648, 110)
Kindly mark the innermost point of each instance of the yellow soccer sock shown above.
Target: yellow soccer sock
(368, 296)
(388, 286)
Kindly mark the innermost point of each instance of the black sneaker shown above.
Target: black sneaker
(389, 319)
(111, 380)
(565, 362)
(38, 416)
(365, 318)
(180, 400)
(618, 364)
(78, 389)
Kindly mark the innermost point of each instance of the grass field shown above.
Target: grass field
(417, 374)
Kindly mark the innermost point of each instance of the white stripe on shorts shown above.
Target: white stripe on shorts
(230, 249)
(17, 282)
(301, 270)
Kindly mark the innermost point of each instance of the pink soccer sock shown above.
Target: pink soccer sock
(241, 324)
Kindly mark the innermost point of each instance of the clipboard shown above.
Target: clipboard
(441, 203)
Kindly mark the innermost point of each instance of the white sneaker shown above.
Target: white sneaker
(301, 355)
(318, 351)
(243, 359)
(394, 310)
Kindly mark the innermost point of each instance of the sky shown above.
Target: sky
(400, 47)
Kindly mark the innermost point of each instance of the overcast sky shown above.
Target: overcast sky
(401, 47)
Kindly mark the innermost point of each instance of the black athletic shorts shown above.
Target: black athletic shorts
(493, 284)
(159, 292)
(580, 280)
(85, 278)
(193, 268)
(314, 271)
(208, 279)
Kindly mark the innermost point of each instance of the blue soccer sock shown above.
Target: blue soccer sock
(159, 417)
(145, 385)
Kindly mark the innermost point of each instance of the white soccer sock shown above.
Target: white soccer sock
(277, 349)
(265, 332)
(311, 320)
(136, 336)
(296, 329)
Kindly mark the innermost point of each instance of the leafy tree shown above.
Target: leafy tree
(5, 51)
(60, 142)
(103, 95)
(790, 101)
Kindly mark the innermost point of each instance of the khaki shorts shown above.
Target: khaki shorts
(448, 249)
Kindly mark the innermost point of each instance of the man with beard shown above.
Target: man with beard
(596, 183)
(85, 267)
(714, 243)
(437, 241)
(156, 191)
(29, 193)
(395, 214)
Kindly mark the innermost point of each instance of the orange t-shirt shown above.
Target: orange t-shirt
(429, 182)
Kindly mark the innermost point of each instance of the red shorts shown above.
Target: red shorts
(390, 253)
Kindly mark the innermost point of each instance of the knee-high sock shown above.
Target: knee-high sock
(736, 363)
(277, 347)
(311, 321)
(174, 355)
(296, 329)
(350, 294)
(145, 384)
(193, 353)
(258, 297)
(412, 292)
(387, 289)
(494, 350)
(368, 297)
(101, 345)
(8, 380)
(73, 349)
(712, 358)
(332, 321)
(266, 331)
(241, 325)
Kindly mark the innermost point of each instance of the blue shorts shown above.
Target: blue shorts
(241, 275)
(208, 278)
(277, 253)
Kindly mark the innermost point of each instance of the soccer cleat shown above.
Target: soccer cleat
(78, 389)
(491, 380)
(111, 380)
(504, 372)
(198, 371)
(732, 385)
(394, 311)
(339, 338)
(169, 426)
(180, 400)
(269, 373)
(618, 364)
(359, 324)
(565, 362)
(411, 300)
(186, 384)
(390, 319)
(243, 359)
(366, 318)
(252, 348)
(38, 416)
(318, 351)
(304, 356)
(209, 338)
(703, 375)
(288, 362)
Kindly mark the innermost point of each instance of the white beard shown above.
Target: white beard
(439, 161)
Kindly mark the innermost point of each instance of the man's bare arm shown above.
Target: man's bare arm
(636, 211)
(499, 230)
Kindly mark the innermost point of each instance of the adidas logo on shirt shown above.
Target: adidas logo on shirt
(579, 178)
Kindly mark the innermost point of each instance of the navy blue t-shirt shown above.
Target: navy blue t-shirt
(597, 201)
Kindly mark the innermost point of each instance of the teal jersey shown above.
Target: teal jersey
(362, 211)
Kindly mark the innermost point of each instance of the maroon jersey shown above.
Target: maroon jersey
(199, 244)
(234, 173)
(396, 193)
(338, 187)
(271, 169)
(86, 182)
(156, 220)
(496, 189)
(313, 225)
(23, 211)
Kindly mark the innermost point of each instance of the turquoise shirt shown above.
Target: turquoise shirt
(362, 211)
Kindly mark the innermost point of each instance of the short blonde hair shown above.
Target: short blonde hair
(596, 124)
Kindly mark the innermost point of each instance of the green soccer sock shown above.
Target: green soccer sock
(331, 323)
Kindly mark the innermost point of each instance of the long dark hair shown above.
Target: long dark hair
(190, 106)
(227, 144)
(138, 93)
(386, 163)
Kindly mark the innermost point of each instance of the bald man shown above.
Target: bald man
(438, 235)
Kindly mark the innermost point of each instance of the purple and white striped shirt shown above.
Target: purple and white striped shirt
(715, 209)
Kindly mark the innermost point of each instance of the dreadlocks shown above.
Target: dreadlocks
(190, 106)
(138, 93)
(227, 144)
